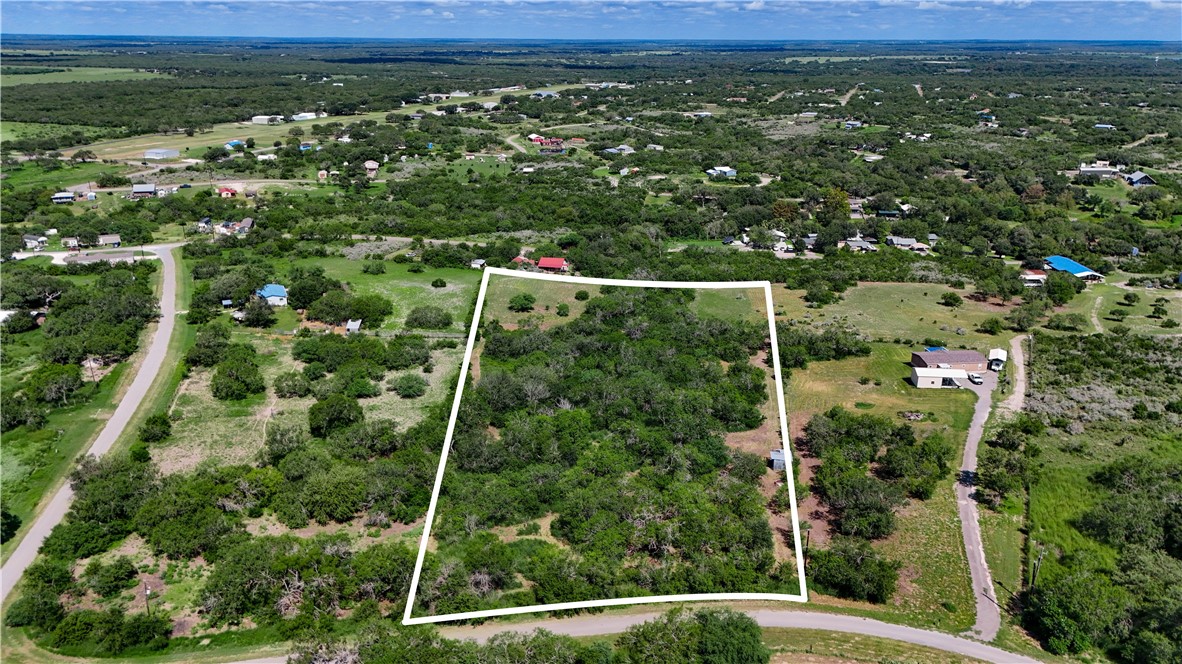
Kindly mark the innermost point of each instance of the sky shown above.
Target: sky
(1121, 20)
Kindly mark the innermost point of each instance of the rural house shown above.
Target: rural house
(110, 240)
(553, 264)
(143, 191)
(967, 360)
(227, 192)
(161, 153)
(1140, 179)
(63, 197)
(1032, 278)
(35, 241)
(274, 294)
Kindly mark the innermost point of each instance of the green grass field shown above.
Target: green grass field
(30, 174)
(76, 75)
(1103, 298)
(908, 311)
(406, 289)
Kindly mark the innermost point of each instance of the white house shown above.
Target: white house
(266, 119)
(721, 171)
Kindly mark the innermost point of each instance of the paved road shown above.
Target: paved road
(988, 611)
(590, 625)
(594, 625)
(152, 362)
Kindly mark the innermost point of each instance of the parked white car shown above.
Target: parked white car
(976, 379)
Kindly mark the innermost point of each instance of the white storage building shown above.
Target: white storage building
(266, 119)
(161, 153)
(931, 377)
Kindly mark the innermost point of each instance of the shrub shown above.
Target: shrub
(410, 386)
(563, 310)
(156, 428)
(522, 302)
(40, 609)
(139, 452)
(850, 568)
(428, 318)
(373, 267)
(439, 283)
(335, 412)
(582, 295)
(992, 325)
(112, 579)
(292, 384)
(951, 300)
(314, 370)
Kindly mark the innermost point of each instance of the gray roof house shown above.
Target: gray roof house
(1140, 179)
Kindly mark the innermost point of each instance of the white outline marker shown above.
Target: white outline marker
(619, 601)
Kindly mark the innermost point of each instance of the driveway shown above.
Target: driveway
(149, 367)
(988, 611)
(1017, 400)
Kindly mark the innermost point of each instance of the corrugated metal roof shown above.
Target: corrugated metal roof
(1064, 264)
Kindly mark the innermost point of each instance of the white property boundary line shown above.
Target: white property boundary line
(619, 601)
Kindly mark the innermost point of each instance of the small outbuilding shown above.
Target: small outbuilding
(143, 190)
(997, 359)
(110, 240)
(776, 460)
(63, 197)
(1140, 179)
(352, 325)
(477, 264)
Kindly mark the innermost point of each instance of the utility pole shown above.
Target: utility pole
(1037, 567)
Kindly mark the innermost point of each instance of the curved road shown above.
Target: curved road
(591, 625)
(150, 366)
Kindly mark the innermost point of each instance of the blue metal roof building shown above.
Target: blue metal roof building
(1064, 264)
(272, 290)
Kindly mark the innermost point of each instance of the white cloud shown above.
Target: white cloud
(755, 5)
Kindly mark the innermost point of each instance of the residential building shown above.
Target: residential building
(110, 240)
(1101, 169)
(63, 197)
(1034, 278)
(274, 294)
(352, 325)
(477, 264)
(70, 242)
(553, 264)
(227, 192)
(143, 190)
(1106, 127)
(927, 378)
(371, 168)
(968, 360)
(1140, 179)
(899, 241)
(721, 171)
(35, 241)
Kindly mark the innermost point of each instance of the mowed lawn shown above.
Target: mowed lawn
(76, 75)
(406, 289)
(934, 589)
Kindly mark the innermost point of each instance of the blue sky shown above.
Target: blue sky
(607, 19)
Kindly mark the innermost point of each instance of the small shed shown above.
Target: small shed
(352, 325)
(477, 264)
(776, 460)
(63, 197)
(143, 190)
(110, 239)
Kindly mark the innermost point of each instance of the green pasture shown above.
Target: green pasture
(906, 311)
(75, 75)
(406, 289)
(29, 174)
(10, 131)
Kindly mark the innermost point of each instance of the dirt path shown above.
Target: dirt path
(1013, 404)
(776, 97)
(845, 99)
(514, 144)
(988, 611)
(56, 508)
(918, 88)
(1096, 314)
(1143, 139)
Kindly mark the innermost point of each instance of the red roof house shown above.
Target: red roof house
(522, 260)
(556, 264)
